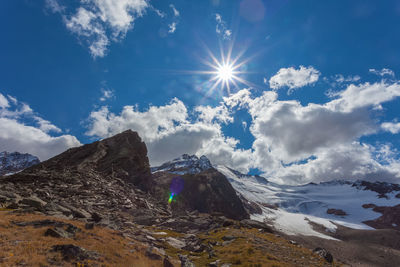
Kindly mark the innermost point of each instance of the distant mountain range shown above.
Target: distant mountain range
(14, 162)
(358, 205)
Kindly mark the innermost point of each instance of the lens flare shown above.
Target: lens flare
(171, 197)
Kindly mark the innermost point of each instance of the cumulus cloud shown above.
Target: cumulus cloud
(17, 135)
(293, 142)
(392, 127)
(382, 72)
(169, 132)
(98, 22)
(294, 78)
(365, 95)
(221, 28)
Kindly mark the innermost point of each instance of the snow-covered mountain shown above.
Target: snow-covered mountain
(11, 163)
(185, 164)
(292, 208)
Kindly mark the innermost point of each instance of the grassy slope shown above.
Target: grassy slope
(27, 246)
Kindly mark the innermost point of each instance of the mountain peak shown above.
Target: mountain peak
(122, 156)
(12, 162)
(185, 164)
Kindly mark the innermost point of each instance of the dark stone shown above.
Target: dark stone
(96, 217)
(368, 206)
(324, 254)
(151, 255)
(72, 252)
(207, 192)
(337, 212)
(58, 233)
(34, 202)
(167, 263)
(228, 238)
(89, 226)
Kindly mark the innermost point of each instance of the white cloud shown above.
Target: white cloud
(221, 28)
(391, 127)
(176, 12)
(172, 27)
(168, 132)
(294, 78)
(382, 72)
(293, 143)
(339, 78)
(106, 94)
(364, 95)
(98, 22)
(54, 6)
(3, 101)
(16, 135)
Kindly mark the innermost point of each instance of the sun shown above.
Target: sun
(225, 72)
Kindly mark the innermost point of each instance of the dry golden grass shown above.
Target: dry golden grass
(27, 246)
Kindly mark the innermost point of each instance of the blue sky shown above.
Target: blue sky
(319, 101)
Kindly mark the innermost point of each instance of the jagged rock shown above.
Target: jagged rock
(53, 207)
(185, 262)
(34, 202)
(58, 232)
(72, 252)
(176, 243)
(214, 263)
(324, 254)
(208, 191)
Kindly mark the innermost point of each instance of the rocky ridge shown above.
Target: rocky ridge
(109, 184)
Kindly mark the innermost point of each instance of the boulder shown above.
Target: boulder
(72, 252)
(324, 254)
(34, 202)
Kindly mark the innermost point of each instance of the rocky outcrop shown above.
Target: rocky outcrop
(122, 156)
(390, 218)
(382, 188)
(11, 163)
(337, 212)
(208, 191)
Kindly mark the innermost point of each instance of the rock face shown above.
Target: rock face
(100, 182)
(122, 156)
(390, 218)
(208, 191)
(11, 163)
